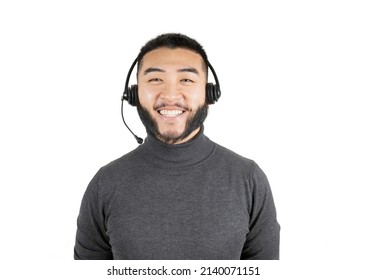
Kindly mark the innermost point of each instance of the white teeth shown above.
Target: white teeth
(170, 113)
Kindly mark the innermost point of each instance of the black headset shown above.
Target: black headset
(130, 94)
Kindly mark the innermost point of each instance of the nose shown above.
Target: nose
(171, 91)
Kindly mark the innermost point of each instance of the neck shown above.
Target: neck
(189, 153)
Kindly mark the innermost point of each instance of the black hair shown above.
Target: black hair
(172, 41)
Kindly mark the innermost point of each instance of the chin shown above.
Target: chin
(174, 132)
(171, 133)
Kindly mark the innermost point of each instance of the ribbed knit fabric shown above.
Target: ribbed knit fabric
(196, 200)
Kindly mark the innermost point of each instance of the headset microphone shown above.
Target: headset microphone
(138, 139)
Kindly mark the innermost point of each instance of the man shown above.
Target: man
(178, 195)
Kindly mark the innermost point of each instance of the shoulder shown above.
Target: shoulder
(234, 160)
(116, 171)
(122, 162)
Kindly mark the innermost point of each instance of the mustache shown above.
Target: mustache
(178, 105)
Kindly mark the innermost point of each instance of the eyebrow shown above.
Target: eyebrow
(155, 69)
(191, 69)
(152, 69)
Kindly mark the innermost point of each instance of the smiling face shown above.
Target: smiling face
(171, 90)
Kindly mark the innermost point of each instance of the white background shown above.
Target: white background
(293, 80)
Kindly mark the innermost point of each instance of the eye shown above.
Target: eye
(186, 80)
(154, 80)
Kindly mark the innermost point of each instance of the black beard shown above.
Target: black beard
(192, 124)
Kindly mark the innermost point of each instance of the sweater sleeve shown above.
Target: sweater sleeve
(92, 242)
(262, 242)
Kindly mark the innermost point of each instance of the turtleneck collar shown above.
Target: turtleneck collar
(178, 155)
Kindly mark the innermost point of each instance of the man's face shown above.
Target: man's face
(171, 90)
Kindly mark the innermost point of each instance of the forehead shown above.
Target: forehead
(166, 57)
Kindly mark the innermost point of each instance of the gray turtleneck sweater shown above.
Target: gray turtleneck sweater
(196, 200)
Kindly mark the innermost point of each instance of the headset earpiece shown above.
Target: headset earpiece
(212, 93)
(130, 95)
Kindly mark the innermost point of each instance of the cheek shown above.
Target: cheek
(198, 97)
(146, 97)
